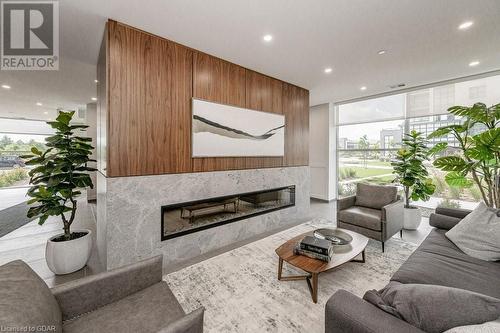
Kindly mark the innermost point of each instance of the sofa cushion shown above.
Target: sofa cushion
(148, 310)
(375, 196)
(362, 216)
(478, 233)
(438, 261)
(435, 309)
(443, 221)
(25, 300)
(487, 327)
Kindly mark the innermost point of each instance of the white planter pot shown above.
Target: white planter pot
(412, 218)
(68, 256)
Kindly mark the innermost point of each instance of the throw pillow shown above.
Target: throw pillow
(478, 234)
(26, 303)
(432, 308)
(375, 196)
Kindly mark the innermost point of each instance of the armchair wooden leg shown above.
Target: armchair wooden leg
(401, 233)
(383, 247)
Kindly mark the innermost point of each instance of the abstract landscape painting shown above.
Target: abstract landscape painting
(227, 131)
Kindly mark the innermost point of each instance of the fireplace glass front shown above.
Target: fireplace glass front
(188, 217)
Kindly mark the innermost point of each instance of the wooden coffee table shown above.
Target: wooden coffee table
(341, 255)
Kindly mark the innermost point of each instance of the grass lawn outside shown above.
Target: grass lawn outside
(378, 163)
(368, 172)
(361, 163)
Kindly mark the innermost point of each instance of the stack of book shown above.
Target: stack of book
(316, 248)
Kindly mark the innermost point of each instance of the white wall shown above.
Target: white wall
(322, 152)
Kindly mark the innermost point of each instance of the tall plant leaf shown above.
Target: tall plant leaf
(410, 170)
(490, 139)
(458, 179)
(59, 172)
(438, 147)
(451, 163)
(480, 151)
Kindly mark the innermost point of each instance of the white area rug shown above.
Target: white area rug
(241, 293)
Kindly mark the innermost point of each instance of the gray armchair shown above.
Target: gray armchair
(129, 299)
(375, 211)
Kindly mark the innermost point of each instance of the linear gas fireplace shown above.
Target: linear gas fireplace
(188, 217)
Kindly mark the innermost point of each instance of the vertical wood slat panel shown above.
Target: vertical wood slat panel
(149, 111)
(151, 82)
(263, 93)
(218, 81)
(296, 110)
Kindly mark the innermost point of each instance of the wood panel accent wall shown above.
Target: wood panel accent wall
(151, 83)
(150, 96)
(295, 101)
(263, 93)
(218, 81)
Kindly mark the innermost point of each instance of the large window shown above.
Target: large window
(13, 171)
(365, 151)
(16, 139)
(370, 133)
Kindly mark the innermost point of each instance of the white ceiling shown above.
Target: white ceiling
(421, 38)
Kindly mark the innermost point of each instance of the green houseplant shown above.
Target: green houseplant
(55, 180)
(412, 174)
(478, 147)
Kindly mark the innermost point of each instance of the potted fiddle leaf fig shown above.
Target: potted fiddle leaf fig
(475, 157)
(56, 178)
(412, 175)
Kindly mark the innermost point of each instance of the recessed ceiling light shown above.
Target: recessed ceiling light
(267, 38)
(363, 88)
(328, 70)
(5, 86)
(39, 104)
(45, 112)
(96, 81)
(466, 25)
(94, 99)
(382, 52)
(473, 63)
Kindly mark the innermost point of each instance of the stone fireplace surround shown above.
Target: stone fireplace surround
(129, 215)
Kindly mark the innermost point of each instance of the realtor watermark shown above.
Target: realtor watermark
(29, 35)
(38, 328)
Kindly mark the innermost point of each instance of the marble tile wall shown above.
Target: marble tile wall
(129, 212)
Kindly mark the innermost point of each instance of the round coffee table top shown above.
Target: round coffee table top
(341, 254)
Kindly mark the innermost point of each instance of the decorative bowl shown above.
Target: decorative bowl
(337, 237)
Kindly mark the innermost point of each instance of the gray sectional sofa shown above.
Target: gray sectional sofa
(437, 261)
(129, 299)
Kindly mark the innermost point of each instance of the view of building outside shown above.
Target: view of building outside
(370, 132)
(366, 152)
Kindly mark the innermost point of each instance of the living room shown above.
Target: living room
(233, 166)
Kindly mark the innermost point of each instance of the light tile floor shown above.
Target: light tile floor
(12, 196)
(28, 243)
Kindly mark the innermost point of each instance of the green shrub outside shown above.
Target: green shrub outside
(12, 176)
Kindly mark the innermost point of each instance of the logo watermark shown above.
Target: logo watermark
(39, 328)
(29, 35)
